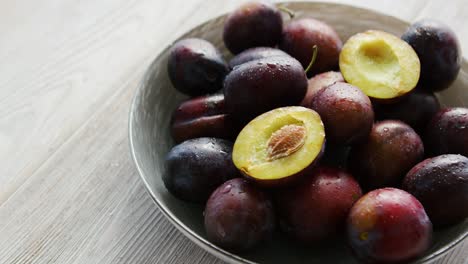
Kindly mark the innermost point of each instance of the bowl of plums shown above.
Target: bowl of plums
(308, 133)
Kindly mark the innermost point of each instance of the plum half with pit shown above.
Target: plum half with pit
(447, 132)
(238, 216)
(388, 226)
(382, 65)
(441, 185)
(346, 113)
(319, 82)
(280, 146)
(255, 54)
(415, 109)
(316, 209)
(438, 50)
(300, 35)
(196, 167)
(203, 116)
(261, 85)
(196, 67)
(253, 24)
(383, 159)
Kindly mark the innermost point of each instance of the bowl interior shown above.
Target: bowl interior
(150, 138)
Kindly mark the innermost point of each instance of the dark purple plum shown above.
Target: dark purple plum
(316, 209)
(299, 36)
(346, 113)
(441, 185)
(238, 216)
(253, 24)
(196, 167)
(319, 82)
(388, 226)
(255, 54)
(415, 109)
(203, 116)
(196, 67)
(258, 86)
(438, 50)
(383, 159)
(447, 132)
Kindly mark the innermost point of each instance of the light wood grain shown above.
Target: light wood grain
(69, 192)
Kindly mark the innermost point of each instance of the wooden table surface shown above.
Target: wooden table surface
(69, 191)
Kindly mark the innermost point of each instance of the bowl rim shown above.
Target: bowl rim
(194, 237)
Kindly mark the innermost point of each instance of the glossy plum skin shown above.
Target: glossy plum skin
(319, 82)
(438, 50)
(238, 216)
(415, 109)
(388, 226)
(255, 54)
(203, 116)
(346, 113)
(389, 152)
(258, 86)
(196, 167)
(316, 209)
(447, 132)
(254, 24)
(441, 185)
(196, 67)
(300, 35)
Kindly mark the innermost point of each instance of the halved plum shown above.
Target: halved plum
(280, 146)
(382, 65)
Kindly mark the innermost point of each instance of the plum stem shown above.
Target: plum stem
(314, 56)
(287, 11)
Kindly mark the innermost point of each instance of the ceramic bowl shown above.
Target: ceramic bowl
(150, 140)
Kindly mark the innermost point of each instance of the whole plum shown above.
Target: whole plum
(253, 24)
(438, 50)
(388, 226)
(238, 216)
(196, 67)
(255, 54)
(316, 209)
(385, 157)
(441, 185)
(415, 109)
(346, 113)
(203, 116)
(196, 167)
(319, 82)
(300, 35)
(261, 85)
(447, 132)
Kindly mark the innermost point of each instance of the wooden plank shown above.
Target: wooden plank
(87, 204)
